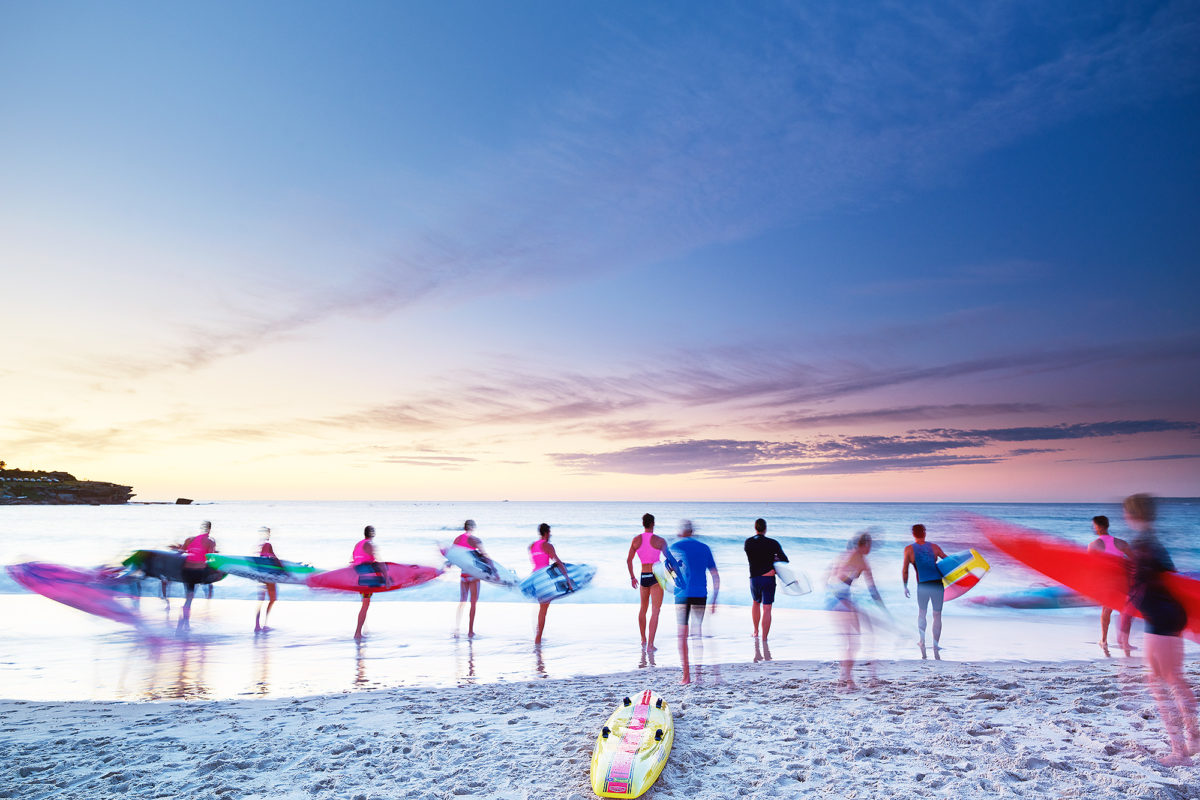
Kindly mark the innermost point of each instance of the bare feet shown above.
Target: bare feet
(1176, 759)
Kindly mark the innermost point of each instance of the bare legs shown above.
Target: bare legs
(269, 592)
(362, 615)
(1105, 617)
(469, 590)
(652, 597)
(848, 622)
(1174, 697)
(541, 623)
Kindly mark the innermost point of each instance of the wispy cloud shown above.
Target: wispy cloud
(706, 136)
(915, 450)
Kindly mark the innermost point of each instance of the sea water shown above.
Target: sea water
(597, 533)
(415, 637)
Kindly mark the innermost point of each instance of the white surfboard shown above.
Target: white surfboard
(476, 566)
(791, 581)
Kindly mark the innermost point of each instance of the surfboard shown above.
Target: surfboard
(791, 581)
(166, 565)
(1040, 597)
(349, 579)
(74, 588)
(1100, 577)
(548, 583)
(961, 572)
(476, 566)
(665, 576)
(633, 746)
(263, 569)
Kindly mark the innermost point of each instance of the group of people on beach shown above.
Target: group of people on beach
(690, 564)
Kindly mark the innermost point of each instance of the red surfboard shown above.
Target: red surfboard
(349, 579)
(75, 588)
(1100, 577)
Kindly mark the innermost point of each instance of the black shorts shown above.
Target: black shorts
(762, 589)
(690, 607)
(648, 580)
(192, 576)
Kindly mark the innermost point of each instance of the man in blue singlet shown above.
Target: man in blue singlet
(924, 557)
(691, 587)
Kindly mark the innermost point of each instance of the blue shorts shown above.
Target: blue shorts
(762, 589)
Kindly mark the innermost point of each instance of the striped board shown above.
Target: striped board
(367, 581)
(633, 746)
(263, 569)
(475, 565)
(961, 572)
(75, 588)
(548, 583)
(791, 581)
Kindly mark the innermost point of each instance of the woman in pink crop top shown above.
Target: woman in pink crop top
(468, 587)
(195, 565)
(648, 548)
(1105, 542)
(542, 554)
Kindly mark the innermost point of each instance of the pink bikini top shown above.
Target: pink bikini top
(537, 552)
(266, 551)
(197, 549)
(647, 552)
(463, 540)
(1110, 546)
(360, 553)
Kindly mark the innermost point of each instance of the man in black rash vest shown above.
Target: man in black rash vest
(924, 557)
(762, 552)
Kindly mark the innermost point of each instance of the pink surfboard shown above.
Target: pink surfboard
(349, 579)
(1100, 577)
(75, 588)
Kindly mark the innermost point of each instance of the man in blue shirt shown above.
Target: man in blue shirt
(691, 587)
(924, 557)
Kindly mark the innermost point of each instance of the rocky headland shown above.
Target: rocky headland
(38, 487)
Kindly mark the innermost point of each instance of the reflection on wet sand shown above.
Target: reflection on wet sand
(647, 659)
(175, 670)
(360, 663)
(762, 651)
(465, 672)
(262, 650)
(539, 662)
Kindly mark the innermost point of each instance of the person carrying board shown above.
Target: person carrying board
(762, 552)
(1105, 542)
(923, 556)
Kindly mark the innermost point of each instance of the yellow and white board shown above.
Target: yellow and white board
(633, 746)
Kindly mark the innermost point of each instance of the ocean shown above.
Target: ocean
(50, 651)
(598, 533)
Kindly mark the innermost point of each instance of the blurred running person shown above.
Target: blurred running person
(762, 552)
(468, 586)
(842, 574)
(648, 548)
(1105, 542)
(365, 561)
(543, 555)
(268, 591)
(924, 557)
(195, 565)
(1165, 619)
(695, 560)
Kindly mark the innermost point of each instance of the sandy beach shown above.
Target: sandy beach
(417, 712)
(768, 730)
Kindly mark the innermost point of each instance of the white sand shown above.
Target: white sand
(768, 730)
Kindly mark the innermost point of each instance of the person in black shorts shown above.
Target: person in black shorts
(762, 552)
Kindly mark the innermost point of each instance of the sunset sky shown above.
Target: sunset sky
(603, 250)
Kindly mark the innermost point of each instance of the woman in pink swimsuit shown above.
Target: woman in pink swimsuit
(1105, 542)
(542, 554)
(648, 548)
(195, 565)
(468, 587)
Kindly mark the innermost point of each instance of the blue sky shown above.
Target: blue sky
(604, 250)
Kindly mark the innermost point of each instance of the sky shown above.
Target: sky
(939, 251)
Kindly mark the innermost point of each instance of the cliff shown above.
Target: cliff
(36, 487)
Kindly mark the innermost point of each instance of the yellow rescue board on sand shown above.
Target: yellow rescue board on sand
(633, 746)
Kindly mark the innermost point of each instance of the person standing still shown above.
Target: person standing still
(924, 557)
(762, 552)
(1105, 542)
